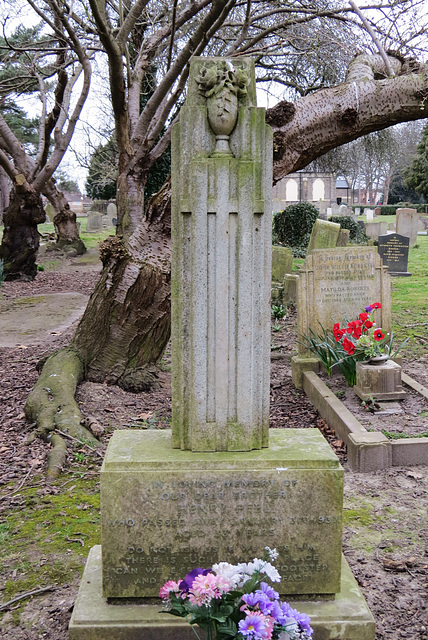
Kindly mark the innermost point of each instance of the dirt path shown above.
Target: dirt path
(385, 530)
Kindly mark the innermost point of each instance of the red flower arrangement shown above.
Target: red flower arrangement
(360, 336)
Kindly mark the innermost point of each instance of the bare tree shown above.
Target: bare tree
(52, 64)
(126, 325)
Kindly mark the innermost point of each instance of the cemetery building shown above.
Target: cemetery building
(321, 189)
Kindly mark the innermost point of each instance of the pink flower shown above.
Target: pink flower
(167, 588)
(205, 588)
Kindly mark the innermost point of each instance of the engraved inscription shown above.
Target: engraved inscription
(190, 522)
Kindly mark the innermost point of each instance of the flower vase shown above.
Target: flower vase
(378, 360)
(222, 111)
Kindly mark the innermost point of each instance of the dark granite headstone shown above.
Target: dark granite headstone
(393, 248)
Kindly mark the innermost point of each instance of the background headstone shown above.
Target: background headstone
(393, 248)
(344, 210)
(112, 213)
(94, 223)
(282, 263)
(369, 214)
(324, 235)
(375, 229)
(407, 224)
(343, 238)
(50, 212)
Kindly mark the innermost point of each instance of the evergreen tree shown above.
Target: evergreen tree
(416, 177)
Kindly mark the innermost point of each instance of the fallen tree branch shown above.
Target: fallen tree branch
(28, 594)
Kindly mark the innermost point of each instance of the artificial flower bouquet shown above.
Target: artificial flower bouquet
(233, 602)
(344, 346)
(362, 338)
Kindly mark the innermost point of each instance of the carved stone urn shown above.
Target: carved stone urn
(222, 85)
(222, 111)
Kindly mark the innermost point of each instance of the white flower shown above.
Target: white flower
(271, 572)
(228, 572)
(273, 553)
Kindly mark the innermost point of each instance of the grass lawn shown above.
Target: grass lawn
(409, 302)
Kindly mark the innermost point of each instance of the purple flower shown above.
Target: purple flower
(186, 584)
(253, 626)
(269, 591)
(277, 613)
(369, 309)
(303, 621)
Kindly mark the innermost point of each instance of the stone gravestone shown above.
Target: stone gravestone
(336, 286)
(282, 264)
(50, 212)
(344, 210)
(393, 248)
(343, 239)
(219, 487)
(407, 224)
(112, 213)
(375, 229)
(323, 236)
(369, 214)
(94, 222)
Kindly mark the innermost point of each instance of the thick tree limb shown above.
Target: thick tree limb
(316, 123)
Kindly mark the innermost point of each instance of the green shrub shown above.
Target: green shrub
(388, 209)
(356, 235)
(292, 227)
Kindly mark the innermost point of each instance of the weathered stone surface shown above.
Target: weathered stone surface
(343, 238)
(221, 275)
(324, 235)
(369, 451)
(290, 289)
(50, 212)
(380, 382)
(335, 286)
(347, 616)
(165, 511)
(407, 223)
(375, 229)
(393, 248)
(94, 222)
(282, 263)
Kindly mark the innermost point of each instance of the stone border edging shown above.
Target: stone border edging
(367, 450)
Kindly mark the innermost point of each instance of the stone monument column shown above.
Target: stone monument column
(221, 265)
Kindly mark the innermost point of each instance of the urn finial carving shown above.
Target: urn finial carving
(222, 85)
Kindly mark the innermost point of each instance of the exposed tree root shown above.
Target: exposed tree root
(51, 405)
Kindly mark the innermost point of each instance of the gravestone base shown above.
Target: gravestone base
(165, 511)
(381, 382)
(404, 274)
(345, 617)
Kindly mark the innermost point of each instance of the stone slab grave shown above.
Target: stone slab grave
(282, 264)
(220, 485)
(407, 224)
(393, 248)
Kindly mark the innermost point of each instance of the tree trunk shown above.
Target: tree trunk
(4, 192)
(66, 229)
(126, 325)
(20, 242)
